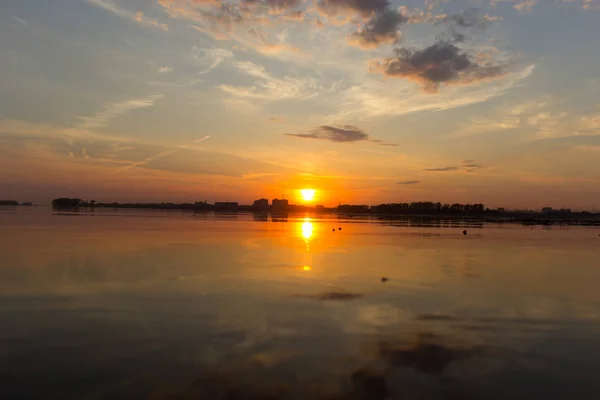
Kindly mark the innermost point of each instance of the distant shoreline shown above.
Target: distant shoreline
(489, 216)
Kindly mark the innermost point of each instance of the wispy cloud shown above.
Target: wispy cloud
(19, 20)
(441, 169)
(269, 88)
(121, 12)
(525, 6)
(162, 154)
(471, 165)
(485, 125)
(214, 56)
(408, 182)
(386, 98)
(165, 70)
(113, 110)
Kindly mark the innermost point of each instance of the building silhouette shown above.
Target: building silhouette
(227, 206)
(280, 205)
(261, 205)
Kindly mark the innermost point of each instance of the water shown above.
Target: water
(167, 305)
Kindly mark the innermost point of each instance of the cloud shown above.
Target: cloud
(365, 8)
(19, 20)
(442, 63)
(276, 7)
(138, 17)
(161, 155)
(375, 98)
(382, 143)
(484, 125)
(591, 5)
(525, 5)
(165, 69)
(113, 110)
(337, 134)
(442, 169)
(217, 56)
(269, 88)
(471, 164)
(383, 28)
(471, 17)
(408, 183)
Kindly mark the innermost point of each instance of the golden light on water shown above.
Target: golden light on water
(307, 230)
(306, 268)
(308, 194)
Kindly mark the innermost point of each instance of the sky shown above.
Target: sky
(366, 101)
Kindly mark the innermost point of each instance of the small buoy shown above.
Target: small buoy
(465, 232)
(384, 279)
(333, 230)
(340, 228)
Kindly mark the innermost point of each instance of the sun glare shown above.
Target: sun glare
(308, 194)
(307, 230)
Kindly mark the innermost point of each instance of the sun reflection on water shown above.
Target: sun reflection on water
(307, 230)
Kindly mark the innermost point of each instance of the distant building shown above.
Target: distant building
(201, 205)
(547, 210)
(501, 209)
(565, 210)
(226, 206)
(280, 205)
(261, 205)
(353, 209)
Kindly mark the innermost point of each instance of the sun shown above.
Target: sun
(308, 194)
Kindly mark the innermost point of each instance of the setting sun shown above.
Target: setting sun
(308, 194)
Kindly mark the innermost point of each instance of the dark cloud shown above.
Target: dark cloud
(382, 28)
(365, 8)
(338, 134)
(472, 165)
(442, 169)
(408, 183)
(440, 63)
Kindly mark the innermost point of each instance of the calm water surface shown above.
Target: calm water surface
(167, 305)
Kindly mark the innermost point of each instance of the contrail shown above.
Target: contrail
(161, 155)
